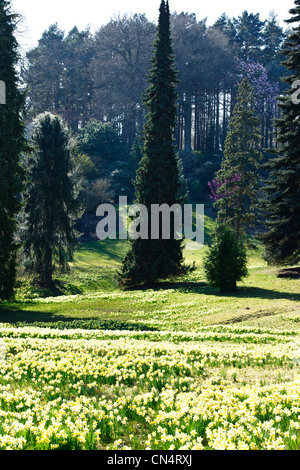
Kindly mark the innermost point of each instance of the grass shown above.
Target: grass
(262, 299)
(91, 292)
(104, 253)
(179, 366)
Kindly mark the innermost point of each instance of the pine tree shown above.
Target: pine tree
(157, 178)
(281, 205)
(12, 143)
(249, 35)
(51, 205)
(136, 153)
(238, 174)
(226, 261)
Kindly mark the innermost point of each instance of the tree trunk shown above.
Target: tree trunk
(188, 123)
(48, 268)
(217, 139)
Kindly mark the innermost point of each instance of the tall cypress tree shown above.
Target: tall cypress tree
(51, 206)
(238, 174)
(12, 143)
(282, 189)
(157, 178)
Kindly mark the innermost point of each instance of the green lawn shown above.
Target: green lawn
(91, 292)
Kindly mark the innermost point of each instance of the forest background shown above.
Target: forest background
(96, 82)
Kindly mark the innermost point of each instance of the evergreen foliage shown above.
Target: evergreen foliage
(109, 156)
(51, 206)
(101, 142)
(249, 35)
(12, 143)
(282, 189)
(102, 76)
(157, 178)
(238, 173)
(136, 153)
(226, 262)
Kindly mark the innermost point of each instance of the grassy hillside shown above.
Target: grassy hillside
(91, 292)
(88, 366)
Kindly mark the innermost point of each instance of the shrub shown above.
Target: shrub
(226, 261)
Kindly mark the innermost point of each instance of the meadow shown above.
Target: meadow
(179, 366)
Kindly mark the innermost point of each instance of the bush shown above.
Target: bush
(226, 261)
(198, 170)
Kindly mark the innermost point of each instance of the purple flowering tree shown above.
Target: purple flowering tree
(266, 95)
(266, 92)
(217, 188)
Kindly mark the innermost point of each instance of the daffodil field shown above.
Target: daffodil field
(179, 367)
(101, 389)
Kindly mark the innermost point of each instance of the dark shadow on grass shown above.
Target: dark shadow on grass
(203, 288)
(14, 314)
(259, 293)
(165, 285)
(289, 273)
(18, 317)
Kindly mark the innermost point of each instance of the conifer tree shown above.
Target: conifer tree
(157, 178)
(281, 205)
(12, 143)
(51, 205)
(238, 174)
(226, 261)
(136, 152)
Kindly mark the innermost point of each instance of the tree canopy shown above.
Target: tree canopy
(12, 144)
